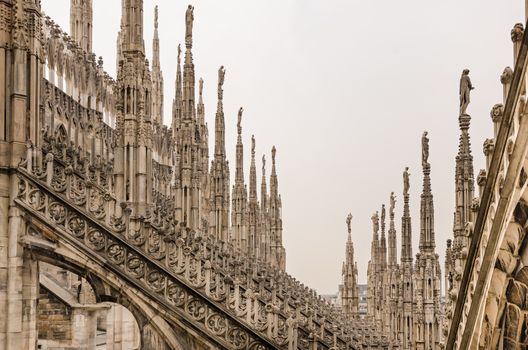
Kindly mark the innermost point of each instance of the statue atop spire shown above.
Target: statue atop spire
(156, 17)
(189, 18)
(253, 146)
(221, 77)
(425, 149)
(263, 164)
(273, 154)
(465, 89)
(375, 222)
(179, 55)
(406, 185)
(200, 86)
(392, 255)
(349, 222)
(239, 123)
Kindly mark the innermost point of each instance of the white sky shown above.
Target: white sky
(344, 89)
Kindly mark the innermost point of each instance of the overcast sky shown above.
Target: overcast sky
(344, 89)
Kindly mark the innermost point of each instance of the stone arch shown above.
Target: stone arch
(61, 134)
(70, 316)
(155, 332)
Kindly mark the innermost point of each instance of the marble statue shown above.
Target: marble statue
(239, 123)
(189, 18)
(465, 88)
(349, 222)
(425, 148)
(406, 185)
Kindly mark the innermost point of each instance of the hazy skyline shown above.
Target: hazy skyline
(344, 89)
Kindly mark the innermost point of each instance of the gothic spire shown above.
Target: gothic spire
(273, 179)
(374, 248)
(239, 171)
(263, 187)
(239, 194)
(392, 233)
(157, 78)
(427, 237)
(188, 68)
(383, 242)
(349, 244)
(219, 120)
(277, 250)
(349, 293)
(464, 178)
(155, 42)
(200, 108)
(406, 248)
(177, 102)
(81, 23)
(253, 174)
(132, 27)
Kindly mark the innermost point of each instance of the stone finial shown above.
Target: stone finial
(497, 112)
(488, 147)
(200, 87)
(273, 154)
(349, 222)
(464, 91)
(517, 32)
(506, 76)
(239, 123)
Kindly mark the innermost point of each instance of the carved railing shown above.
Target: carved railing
(176, 265)
(94, 178)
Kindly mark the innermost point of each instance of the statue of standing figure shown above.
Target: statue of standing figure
(425, 148)
(465, 89)
(375, 221)
(221, 77)
(179, 54)
(406, 185)
(239, 123)
(349, 222)
(189, 18)
(392, 203)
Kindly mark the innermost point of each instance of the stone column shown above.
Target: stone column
(84, 325)
(110, 322)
